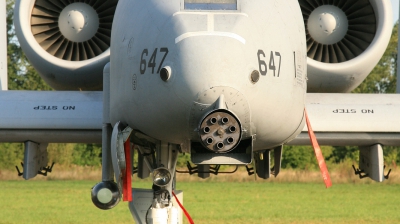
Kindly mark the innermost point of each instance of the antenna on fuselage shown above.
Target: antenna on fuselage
(3, 46)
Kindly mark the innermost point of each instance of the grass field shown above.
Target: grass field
(68, 201)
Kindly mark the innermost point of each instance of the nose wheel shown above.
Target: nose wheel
(105, 195)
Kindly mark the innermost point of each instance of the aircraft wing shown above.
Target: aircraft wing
(43, 117)
(51, 117)
(76, 117)
(352, 119)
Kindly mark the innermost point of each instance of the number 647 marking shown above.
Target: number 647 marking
(262, 65)
(152, 61)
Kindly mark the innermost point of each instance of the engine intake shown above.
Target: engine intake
(345, 40)
(67, 41)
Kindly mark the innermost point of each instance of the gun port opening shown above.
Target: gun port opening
(230, 140)
(209, 141)
(225, 120)
(213, 120)
(220, 145)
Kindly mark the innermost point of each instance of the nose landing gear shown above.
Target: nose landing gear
(105, 195)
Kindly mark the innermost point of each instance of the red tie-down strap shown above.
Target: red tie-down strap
(318, 153)
(127, 181)
(183, 209)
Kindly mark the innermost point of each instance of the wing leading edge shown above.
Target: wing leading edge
(353, 119)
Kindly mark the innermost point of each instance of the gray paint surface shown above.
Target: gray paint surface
(377, 125)
(48, 110)
(210, 53)
(54, 117)
(354, 112)
(352, 119)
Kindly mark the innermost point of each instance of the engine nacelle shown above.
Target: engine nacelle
(345, 40)
(68, 42)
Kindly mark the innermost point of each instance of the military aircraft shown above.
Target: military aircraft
(227, 81)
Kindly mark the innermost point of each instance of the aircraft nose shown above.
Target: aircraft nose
(210, 49)
(221, 115)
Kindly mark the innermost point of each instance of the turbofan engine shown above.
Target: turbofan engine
(67, 41)
(345, 40)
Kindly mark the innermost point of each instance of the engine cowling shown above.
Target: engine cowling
(67, 41)
(345, 40)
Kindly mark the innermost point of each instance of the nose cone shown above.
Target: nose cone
(213, 49)
(328, 24)
(78, 22)
(215, 61)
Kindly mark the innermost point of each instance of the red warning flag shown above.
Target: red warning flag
(127, 179)
(318, 153)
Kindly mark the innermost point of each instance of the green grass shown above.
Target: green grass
(209, 202)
